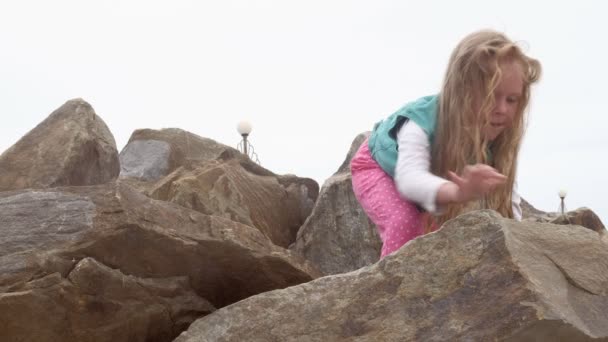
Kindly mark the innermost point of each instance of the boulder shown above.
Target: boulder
(152, 154)
(479, 278)
(97, 303)
(215, 179)
(276, 205)
(72, 146)
(338, 236)
(106, 263)
(584, 217)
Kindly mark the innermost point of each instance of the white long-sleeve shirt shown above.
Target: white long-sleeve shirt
(412, 173)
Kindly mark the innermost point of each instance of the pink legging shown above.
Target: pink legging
(397, 219)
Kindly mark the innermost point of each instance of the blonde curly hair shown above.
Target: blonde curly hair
(465, 103)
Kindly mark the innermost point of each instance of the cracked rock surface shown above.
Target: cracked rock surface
(106, 263)
(479, 278)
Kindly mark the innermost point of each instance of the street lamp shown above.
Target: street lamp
(244, 129)
(562, 194)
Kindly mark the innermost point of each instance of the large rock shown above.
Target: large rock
(72, 146)
(106, 263)
(338, 236)
(152, 154)
(583, 217)
(216, 179)
(97, 303)
(479, 278)
(276, 205)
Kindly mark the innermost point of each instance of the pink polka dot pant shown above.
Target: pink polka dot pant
(397, 219)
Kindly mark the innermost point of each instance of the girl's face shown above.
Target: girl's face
(507, 96)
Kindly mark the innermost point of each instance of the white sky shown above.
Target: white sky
(309, 75)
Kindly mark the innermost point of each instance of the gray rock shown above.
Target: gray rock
(72, 146)
(97, 303)
(200, 174)
(106, 263)
(338, 236)
(276, 205)
(583, 217)
(146, 152)
(147, 160)
(63, 217)
(479, 278)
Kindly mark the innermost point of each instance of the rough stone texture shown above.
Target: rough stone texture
(31, 219)
(151, 154)
(145, 159)
(97, 303)
(479, 278)
(106, 263)
(212, 178)
(276, 205)
(338, 236)
(584, 217)
(72, 146)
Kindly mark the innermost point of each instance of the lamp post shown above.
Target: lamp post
(562, 195)
(244, 129)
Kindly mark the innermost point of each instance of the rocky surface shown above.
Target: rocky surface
(583, 217)
(479, 278)
(194, 230)
(107, 262)
(72, 146)
(215, 179)
(338, 236)
(151, 154)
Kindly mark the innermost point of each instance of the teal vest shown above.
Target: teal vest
(383, 140)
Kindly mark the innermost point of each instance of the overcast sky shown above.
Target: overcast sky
(309, 75)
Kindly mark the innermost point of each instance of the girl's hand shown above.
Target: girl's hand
(475, 182)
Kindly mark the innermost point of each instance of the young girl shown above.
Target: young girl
(453, 152)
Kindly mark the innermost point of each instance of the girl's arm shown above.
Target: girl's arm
(416, 183)
(413, 178)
